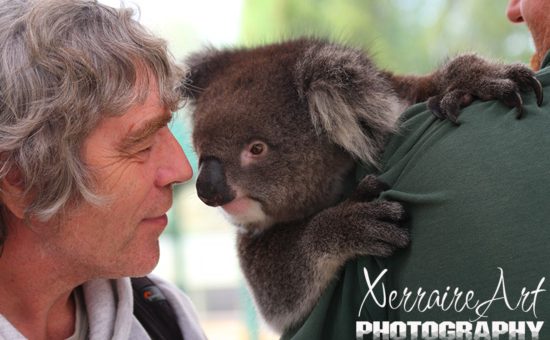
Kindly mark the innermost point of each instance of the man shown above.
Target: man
(535, 14)
(479, 262)
(87, 169)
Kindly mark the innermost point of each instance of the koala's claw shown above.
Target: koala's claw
(526, 81)
(384, 221)
(468, 77)
(388, 211)
(386, 236)
(535, 85)
(538, 90)
(514, 100)
(448, 106)
(368, 189)
(368, 228)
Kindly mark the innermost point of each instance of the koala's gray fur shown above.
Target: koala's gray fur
(377, 105)
(279, 130)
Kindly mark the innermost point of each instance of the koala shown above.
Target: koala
(279, 131)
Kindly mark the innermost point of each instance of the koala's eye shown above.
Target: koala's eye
(254, 152)
(257, 148)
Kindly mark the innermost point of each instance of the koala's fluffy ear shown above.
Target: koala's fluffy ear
(348, 98)
(202, 67)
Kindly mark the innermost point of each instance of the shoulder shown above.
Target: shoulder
(487, 129)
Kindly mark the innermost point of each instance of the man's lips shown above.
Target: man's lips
(160, 220)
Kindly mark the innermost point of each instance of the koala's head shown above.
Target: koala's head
(278, 128)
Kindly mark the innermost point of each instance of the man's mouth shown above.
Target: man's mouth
(161, 220)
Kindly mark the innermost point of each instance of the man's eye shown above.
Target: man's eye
(147, 149)
(144, 151)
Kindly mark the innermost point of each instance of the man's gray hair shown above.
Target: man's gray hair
(65, 64)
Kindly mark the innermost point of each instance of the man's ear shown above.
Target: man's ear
(13, 194)
(348, 98)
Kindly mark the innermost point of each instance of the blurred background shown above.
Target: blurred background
(408, 36)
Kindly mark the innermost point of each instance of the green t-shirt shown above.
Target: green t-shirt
(479, 262)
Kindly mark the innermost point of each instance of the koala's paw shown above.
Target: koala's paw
(368, 189)
(380, 227)
(468, 77)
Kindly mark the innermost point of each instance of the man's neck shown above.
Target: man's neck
(36, 294)
(541, 37)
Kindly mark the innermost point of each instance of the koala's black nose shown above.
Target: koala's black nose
(212, 186)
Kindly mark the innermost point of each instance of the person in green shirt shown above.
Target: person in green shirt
(479, 202)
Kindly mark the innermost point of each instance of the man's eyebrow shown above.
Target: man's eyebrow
(148, 129)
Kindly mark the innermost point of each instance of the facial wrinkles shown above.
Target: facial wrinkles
(126, 154)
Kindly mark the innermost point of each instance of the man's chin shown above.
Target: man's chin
(141, 263)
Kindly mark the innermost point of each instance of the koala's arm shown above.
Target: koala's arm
(357, 226)
(464, 78)
(289, 266)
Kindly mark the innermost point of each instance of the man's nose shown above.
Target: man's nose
(174, 166)
(513, 11)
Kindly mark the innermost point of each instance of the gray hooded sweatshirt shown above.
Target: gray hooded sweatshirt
(109, 313)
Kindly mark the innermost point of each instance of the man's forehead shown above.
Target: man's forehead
(141, 114)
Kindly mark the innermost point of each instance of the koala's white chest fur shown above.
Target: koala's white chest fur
(244, 211)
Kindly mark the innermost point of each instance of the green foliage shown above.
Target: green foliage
(402, 35)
